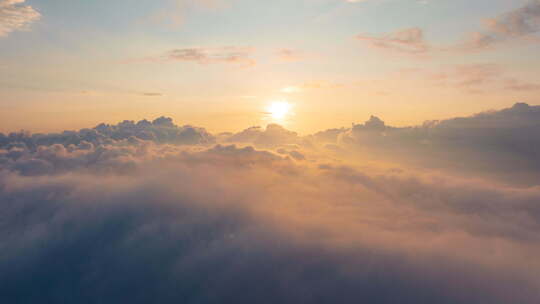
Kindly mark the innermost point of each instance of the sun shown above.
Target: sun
(279, 109)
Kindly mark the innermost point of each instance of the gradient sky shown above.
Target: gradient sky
(314, 192)
(219, 64)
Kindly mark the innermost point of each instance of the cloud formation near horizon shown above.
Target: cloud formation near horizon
(150, 211)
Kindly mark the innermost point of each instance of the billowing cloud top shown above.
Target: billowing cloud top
(160, 130)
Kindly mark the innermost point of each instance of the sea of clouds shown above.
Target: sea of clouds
(152, 212)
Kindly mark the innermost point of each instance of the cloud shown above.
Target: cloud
(160, 130)
(519, 23)
(149, 211)
(151, 94)
(289, 55)
(16, 16)
(292, 153)
(472, 78)
(517, 85)
(273, 135)
(476, 74)
(175, 13)
(499, 144)
(516, 25)
(480, 77)
(231, 55)
(240, 225)
(409, 41)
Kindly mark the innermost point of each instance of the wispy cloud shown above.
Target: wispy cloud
(470, 77)
(410, 41)
(519, 85)
(201, 55)
(474, 78)
(289, 55)
(151, 94)
(16, 16)
(175, 12)
(311, 85)
(512, 25)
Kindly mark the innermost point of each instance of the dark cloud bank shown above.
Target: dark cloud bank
(150, 212)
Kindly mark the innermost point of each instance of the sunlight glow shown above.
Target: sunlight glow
(279, 109)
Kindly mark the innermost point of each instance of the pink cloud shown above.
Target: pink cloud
(200, 55)
(15, 16)
(410, 41)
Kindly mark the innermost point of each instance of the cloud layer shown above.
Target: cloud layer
(498, 143)
(152, 212)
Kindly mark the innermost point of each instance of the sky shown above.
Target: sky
(221, 64)
(284, 151)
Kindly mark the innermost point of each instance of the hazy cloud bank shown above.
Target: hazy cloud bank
(149, 211)
(502, 143)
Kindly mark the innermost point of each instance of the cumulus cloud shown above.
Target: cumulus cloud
(153, 212)
(272, 135)
(499, 143)
(160, 130)
(16, 16)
